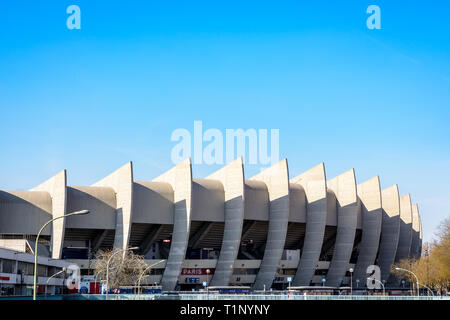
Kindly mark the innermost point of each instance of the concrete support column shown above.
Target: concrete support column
(404, 241)
(369, 193)
(415, 242)
(57, 188)
(390, 230)
(313, 182)
(232, 178)
(344, 188)
(277, 180)
(121, 181)
(180, 178)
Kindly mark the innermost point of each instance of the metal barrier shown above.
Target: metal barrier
(216, 297)
(203, 296)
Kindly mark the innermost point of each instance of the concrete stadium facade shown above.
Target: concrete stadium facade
(225, 229)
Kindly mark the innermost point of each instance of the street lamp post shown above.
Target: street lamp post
(142, 274)
(76, 213)
(432, 293)
(417, 279)
(95, 282)
(207, 281)
(351, 281)
(107, 267)
(54, 275)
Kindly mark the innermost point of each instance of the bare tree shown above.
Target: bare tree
(124, 269)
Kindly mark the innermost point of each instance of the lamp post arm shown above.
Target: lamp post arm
(36, 255)
(107, 267)
(54, 275)
(37, 241)
(428, 289)
(142, 274)
(107, 270)
(417, 279)
(381, 285)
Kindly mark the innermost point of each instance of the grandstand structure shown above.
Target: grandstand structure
(227, 229)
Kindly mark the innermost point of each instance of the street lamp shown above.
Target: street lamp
(95, 282)
(54, 275)
(351, 281)
(207, 282)
(382, 284)
(432, 293)
(142, 274)
(107, 266)
(76, 213)
(417, 279)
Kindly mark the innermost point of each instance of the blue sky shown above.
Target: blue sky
(90, 100)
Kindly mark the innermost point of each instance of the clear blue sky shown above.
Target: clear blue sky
(90, 100)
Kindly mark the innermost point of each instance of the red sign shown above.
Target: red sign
(196, 271)
(4, 278)
(94, 287)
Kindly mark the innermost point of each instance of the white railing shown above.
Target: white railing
(261, 297)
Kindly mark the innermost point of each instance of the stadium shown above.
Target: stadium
(267, 231)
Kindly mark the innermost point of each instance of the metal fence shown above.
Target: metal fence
(216, 297)
(259, 297)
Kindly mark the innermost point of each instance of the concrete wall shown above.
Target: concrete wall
(153, 202)
(208, 200)
(25, 212)
(100, 201)
(277, 180)
(297, 203)
(313, 182)
(256, 201)
(369, 194)
(344, 188)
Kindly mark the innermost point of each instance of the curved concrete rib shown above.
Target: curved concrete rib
(57, 188)
(344, 188)
(180, 178)
(232, 178)
(415, 242)
(390, 230)
(369, 193)
(313, 182)
(121, 181)
(420, 237)
(277, 180)
(404, 241)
